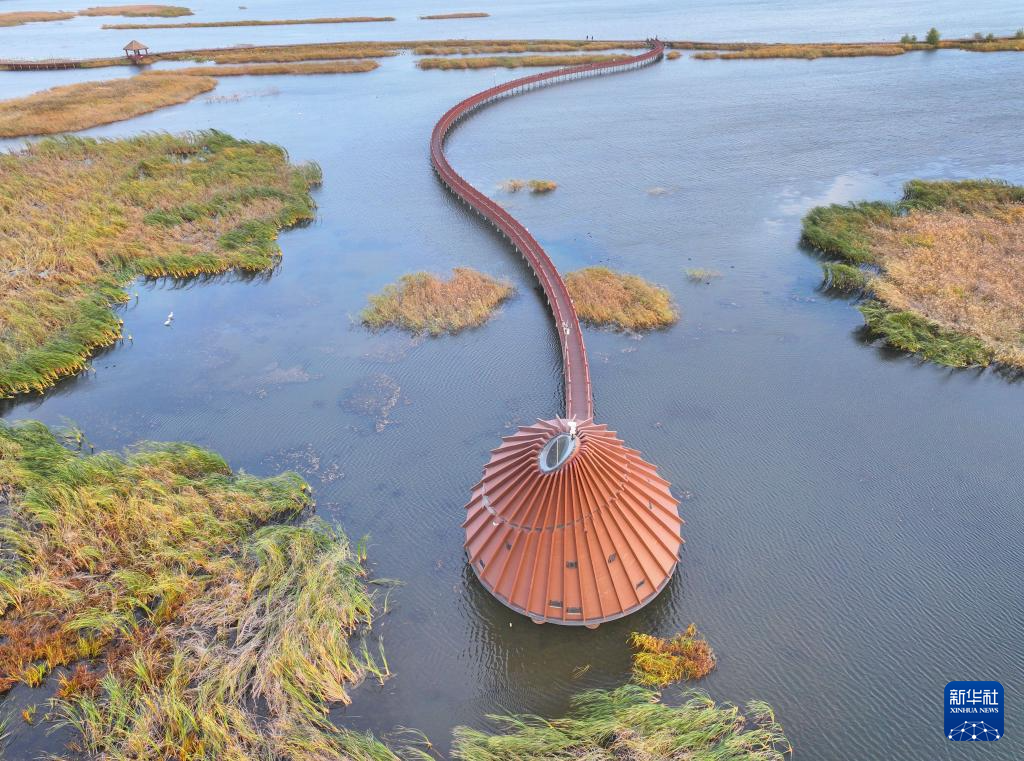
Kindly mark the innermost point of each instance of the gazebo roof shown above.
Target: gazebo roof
(135, 46)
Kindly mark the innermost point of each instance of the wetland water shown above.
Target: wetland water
(854, 526)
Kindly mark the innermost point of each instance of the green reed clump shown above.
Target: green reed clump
(960, 195)
(911, 332)
(425, 303)
(631, 723)
(158, 572)
(839, 276)
(84, 216)
(846, 231)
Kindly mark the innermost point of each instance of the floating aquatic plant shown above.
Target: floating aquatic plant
(658, 661)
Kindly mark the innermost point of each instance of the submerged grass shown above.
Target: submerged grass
(944, 267)
(425, 303)
(512, 62)
(267, 22)
(659, 662)
(631, 723)
(164, 11)
(17, 18)
(627, 302)
(82, 216)
(257, 69)
(89, 104)
(201, 631)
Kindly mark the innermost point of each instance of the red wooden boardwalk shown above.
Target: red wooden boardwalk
(579, 403)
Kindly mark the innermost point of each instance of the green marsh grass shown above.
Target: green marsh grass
(85, 216)
(198, 602)
(425, 303)
(626, 302)
(950, 268)
(630, 723)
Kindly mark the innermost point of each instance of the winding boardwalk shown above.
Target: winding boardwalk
(579, 403)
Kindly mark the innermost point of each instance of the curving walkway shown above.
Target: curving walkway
(579, 404)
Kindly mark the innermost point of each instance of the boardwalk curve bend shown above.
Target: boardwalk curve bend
(567, 525)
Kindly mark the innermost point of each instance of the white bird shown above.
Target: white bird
(170, 319)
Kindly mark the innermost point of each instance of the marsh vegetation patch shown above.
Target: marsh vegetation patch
(83, 216)
(422, 302)
(942, 270)
(661, 661)
(199, 625)
(606, 298)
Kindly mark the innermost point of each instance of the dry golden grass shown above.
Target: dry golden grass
(89, 104)
(439, 16)
(164, 11)
(659, 662)
(512, 62)
(257, 69)
(275, 22)
(424, 303)
(964, 272)
(673, 55)
(289, 53)
(82, 216)
(465, 47)
(16, 18)
(627, 302)
(997, 45)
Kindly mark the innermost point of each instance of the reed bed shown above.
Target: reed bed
(89, 104)
(83, 216)
(258, 69)
(672, 55)
(535, 186)
(626, 302)
(183, 601)
(131, 11)
(17, 18)
(467, 47)
(269, 22)
(813, 50)
(292, 53)
(425, 303)
(631, 723)
(943, 268)
(807, 52)
(512, 62)
(441, 16)
(659, 662)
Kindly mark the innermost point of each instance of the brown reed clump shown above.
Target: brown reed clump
(673, 55)
(165, 11)
(512, 62)
(606, 298)
(89, 104)
(84, 216)
(542, 186)
(425, 303)
(17, 18)
(659, 662)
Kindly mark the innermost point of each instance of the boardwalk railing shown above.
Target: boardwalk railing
(579, 402)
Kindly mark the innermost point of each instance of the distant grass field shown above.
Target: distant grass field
(70, 108)
(17, 18)
(425, 303)
(265, 69)
(83, 216)
(512, 62)
(255, 22)
(442, 16)
(943, 268)
(164, 11)
(610, 299)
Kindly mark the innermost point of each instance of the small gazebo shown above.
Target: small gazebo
(136, 50)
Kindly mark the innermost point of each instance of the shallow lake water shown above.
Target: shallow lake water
(853, 516)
